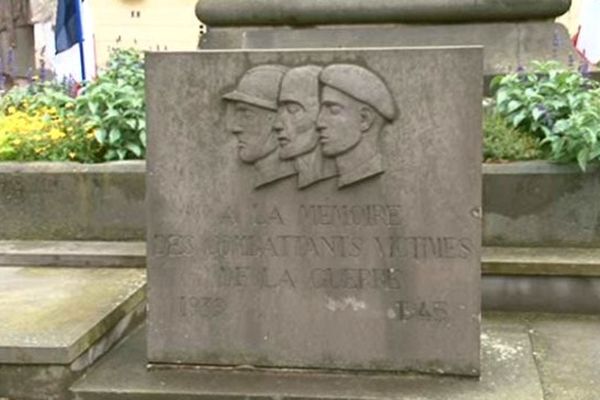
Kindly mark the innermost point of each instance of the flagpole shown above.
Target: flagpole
(80, 39)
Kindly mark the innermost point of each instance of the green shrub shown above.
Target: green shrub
(50, 121)
(558, 105)
(502, 142)
(113, 107)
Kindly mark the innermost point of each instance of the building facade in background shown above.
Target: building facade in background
(27, 27)
(162, 25)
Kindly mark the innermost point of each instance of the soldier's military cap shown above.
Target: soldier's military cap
(259, 86)
(361, 84)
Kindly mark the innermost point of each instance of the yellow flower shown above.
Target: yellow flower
(90, 135)
(55, 134)
(11, 110)
(38, 150)
(17, 142)
(72, 155)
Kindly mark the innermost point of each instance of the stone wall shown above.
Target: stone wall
(531, 204)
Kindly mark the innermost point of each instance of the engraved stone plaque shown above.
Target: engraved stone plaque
(315, 208)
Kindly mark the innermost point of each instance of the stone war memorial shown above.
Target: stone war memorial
(315, 209)
(312, 221)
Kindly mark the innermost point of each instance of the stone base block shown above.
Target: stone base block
(508, 372)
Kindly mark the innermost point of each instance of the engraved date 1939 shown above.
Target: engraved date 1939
(204, 307)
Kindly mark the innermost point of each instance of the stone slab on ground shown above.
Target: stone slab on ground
(567, 351)
(72, 253)
(53, 315)
(52, 381)
(508, 373)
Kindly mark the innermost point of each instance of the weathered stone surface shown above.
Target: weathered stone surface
(508, 373)
(52, 381)
(533, 204)
(53, 315)
(72, 254)
(68, 201)
(316, 12)
(36, 382)
(377, 268)
(567, 352)
(507, 45)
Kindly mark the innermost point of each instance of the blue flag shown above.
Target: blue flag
(68, 25)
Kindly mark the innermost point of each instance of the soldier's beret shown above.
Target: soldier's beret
(361, 84)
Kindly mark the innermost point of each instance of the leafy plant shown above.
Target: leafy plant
(113, 107)
(578, 137)
(38, 95)
(502, 142)
(558, 105)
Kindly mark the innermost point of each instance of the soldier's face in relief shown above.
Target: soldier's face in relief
(295, 122)
(253, 128)
(339, 122)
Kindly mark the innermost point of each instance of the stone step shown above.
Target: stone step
(528, 357)
(55, 322)
(73, 253)
(495, 260)
(540, 261)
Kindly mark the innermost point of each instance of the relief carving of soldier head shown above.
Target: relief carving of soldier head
(296, 124)
(355, 107)
(298, 109)
(250, 113)
(251, 110)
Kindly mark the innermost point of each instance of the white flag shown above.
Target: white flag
(588, 37)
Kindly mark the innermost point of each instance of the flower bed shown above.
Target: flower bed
(550, 112)
(101, 121)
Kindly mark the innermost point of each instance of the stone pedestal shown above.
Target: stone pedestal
(512, 34)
